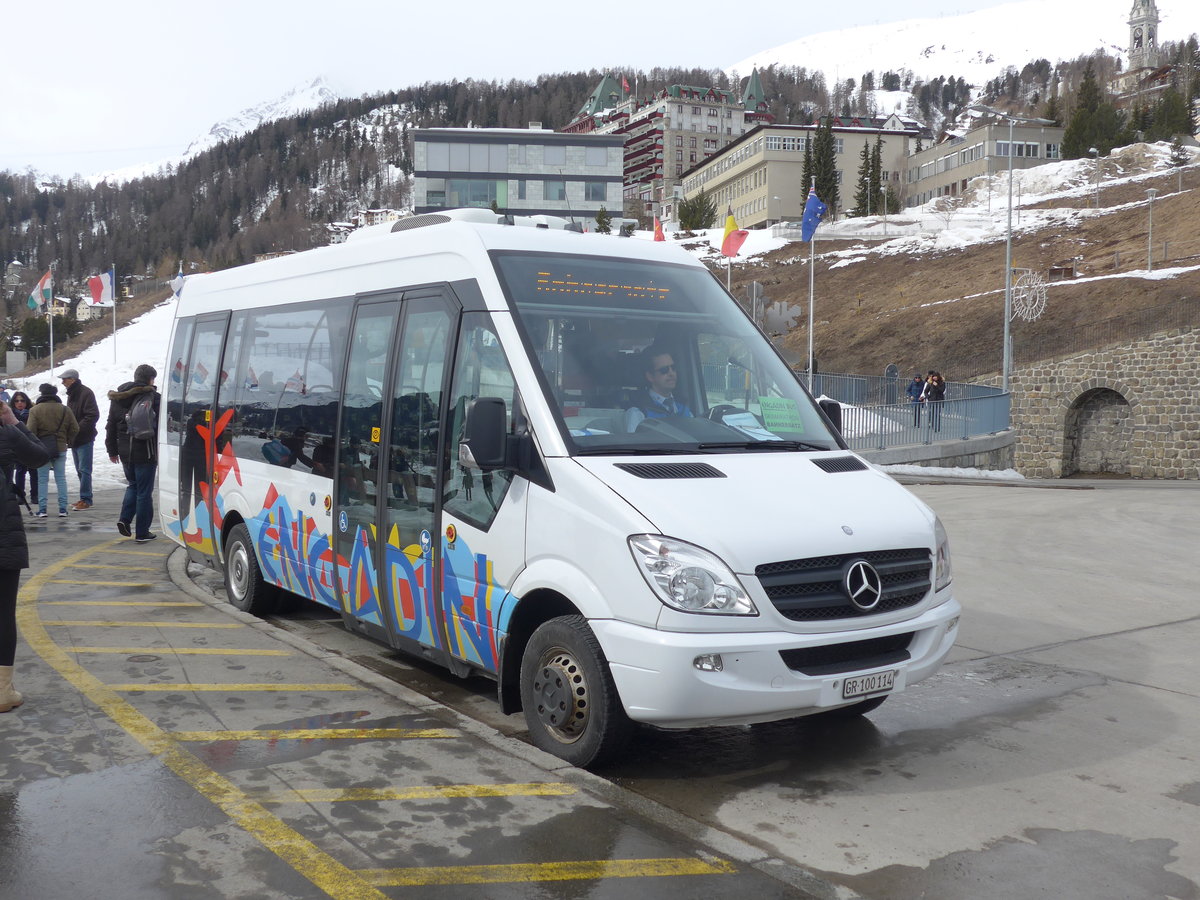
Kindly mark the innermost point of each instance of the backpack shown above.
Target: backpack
(141, 421)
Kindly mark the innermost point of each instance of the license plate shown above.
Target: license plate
(861, 685)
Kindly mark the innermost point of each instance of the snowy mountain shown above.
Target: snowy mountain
(294, 102)
(977, 46)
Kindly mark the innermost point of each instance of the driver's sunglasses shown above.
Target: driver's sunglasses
(663, 370)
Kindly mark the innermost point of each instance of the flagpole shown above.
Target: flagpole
(812, 261)
(113, 272)
(50, 317)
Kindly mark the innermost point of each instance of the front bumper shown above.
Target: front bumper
(659, 684)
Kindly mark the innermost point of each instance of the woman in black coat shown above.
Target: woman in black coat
(21, 405)
(17, 447)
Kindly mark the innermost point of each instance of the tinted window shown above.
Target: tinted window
(283, 366)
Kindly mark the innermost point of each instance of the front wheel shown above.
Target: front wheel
(570, 701)
(243, 578)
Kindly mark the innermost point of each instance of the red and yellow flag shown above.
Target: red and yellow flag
(658, 232)
(732, 242)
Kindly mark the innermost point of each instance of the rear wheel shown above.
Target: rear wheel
(571, 704)
(243, 578)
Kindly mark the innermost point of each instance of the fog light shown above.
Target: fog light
(709, 662)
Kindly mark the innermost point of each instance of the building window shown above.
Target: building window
(839, 145)
(691, 142)
(679, 156)
(679, 140)
(435, 191)
(476, 192)
(1052, 151)
(595, 156)
(554, 190)
(554, 156)
(521, 189)
(595, 191)
(696, 110)
(713, 129)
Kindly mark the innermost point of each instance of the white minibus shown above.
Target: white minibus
(569, 462)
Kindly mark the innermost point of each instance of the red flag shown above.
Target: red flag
(625, 83)
(658, 232)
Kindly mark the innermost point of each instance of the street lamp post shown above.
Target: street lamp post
(1006, 356)
(1151, 193)
(1096, 173)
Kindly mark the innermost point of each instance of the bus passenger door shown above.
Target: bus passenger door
(202, 438)
(360, 428)
(411, 568)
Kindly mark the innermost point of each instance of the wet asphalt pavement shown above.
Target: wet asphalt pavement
(173, 747)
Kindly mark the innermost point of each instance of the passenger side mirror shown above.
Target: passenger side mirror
(484, 441)
(832, 410)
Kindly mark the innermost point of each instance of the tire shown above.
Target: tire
(571, 704)
(243, 578)
(854, 710)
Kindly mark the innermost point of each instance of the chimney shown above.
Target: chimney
(535, 126)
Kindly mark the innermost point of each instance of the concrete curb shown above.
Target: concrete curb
(721, 843)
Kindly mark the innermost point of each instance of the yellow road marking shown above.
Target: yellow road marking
(431, 792)
(289, 845)
(180, 651)
(121, 603)
(122, 568)
(98, 623)
(307, 734)
(138, 553)
(232, 688)
(91, 583)
(562, 871)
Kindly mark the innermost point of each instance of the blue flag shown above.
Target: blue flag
(814, 209)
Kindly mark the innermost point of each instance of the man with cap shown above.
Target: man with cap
(82, 402)
(137, 457)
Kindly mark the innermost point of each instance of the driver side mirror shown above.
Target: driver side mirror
(833, 411)
(484, 441)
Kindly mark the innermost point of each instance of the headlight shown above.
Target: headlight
(943, 573)
(689, 579)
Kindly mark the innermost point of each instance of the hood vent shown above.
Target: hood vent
(835, 464)
(671, 470)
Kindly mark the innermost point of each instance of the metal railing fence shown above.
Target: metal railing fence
(877, 414)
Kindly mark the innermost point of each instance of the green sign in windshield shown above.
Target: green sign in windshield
(781, 414)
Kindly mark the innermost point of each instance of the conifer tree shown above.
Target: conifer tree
(876, 173)
(1094, 123)
(825, 167)
(862, 183)
(806, 169)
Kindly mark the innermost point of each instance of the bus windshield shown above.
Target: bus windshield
(646, 357)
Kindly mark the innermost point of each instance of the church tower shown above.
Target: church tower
(1143, 35)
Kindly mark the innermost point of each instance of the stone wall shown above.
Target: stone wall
(1132, 410)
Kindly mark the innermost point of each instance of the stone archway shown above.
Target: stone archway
(1097, 434)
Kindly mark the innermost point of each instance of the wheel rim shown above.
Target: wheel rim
(239, 571)
(560, 692)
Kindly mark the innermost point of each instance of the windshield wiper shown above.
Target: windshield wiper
(762, 445)
(633, 451)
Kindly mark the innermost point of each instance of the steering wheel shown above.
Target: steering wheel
(720, 411)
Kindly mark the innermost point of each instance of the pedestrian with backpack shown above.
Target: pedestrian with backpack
(130, 437)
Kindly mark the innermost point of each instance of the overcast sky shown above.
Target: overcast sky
(87, 87)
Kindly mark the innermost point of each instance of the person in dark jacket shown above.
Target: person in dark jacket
(17, 447)
(54, 424)
(137, 457)
(82, 402)
(916, 391)
(20, 405)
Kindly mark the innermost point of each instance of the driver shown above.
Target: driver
(658, 400)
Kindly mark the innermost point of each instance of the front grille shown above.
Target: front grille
(807, 590)
(852, 656)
